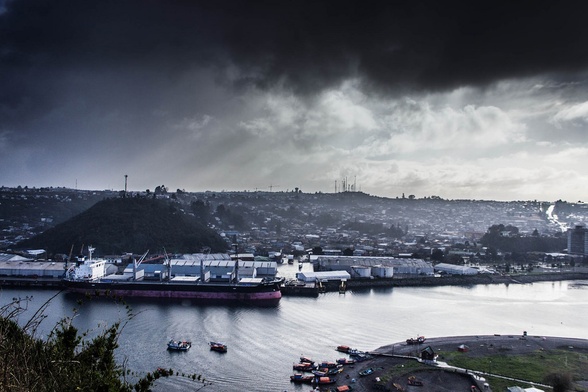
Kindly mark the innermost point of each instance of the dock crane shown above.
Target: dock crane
(137, 263)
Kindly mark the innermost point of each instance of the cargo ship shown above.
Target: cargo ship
(225, 285)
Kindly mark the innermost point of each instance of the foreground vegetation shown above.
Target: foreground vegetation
(67, 360)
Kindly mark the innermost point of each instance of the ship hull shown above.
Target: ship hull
(259, 294)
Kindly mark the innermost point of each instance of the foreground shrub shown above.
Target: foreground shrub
(67, 360)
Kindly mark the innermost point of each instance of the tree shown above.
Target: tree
(437, 255)
(317, 250)
(560, 382)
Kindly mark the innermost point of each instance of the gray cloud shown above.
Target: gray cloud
(242, 94)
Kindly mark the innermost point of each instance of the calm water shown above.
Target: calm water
(264, 342)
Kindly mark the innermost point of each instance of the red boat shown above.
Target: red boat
(216, 346)
(343, 349)
(304, 366)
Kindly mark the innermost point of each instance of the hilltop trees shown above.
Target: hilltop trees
(508, 239)
(130, 225)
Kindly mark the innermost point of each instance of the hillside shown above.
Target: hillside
(118, 225)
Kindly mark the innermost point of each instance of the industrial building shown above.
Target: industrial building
(453, 269)
(216, 267)
(377, 267)
(32, 269)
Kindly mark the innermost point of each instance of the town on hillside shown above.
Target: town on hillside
(514, 234)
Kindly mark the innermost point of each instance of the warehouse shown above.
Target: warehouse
(453, 269)
(32, 269)
(378, 265)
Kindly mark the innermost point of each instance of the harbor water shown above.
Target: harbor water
(264, 342)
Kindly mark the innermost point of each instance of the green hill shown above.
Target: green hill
(118, 225)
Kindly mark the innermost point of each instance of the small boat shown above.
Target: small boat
(333, 371)
(417, 340)
(413, 381)
(327, 364)
(220, 347)
(304, 359)
(179, 345)
(366, 372)
(321, 372)
(304, 366)
(345, 361)
(324, 380)
(343, 349)
(301, 379)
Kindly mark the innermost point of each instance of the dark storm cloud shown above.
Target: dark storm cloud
(307, 45)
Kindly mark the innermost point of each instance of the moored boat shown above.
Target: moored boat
(343, 349)
(304, 367)
(324, 380)
(90, 278)
(301, 379)
(327, 364)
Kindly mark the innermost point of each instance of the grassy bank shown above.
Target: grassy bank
(536, 367)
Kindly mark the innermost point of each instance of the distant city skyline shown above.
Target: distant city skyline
(449, 99)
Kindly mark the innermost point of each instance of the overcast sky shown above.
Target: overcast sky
(462, 100)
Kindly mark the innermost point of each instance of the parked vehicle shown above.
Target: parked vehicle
(417, 340)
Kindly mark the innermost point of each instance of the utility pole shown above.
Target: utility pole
(126, 176)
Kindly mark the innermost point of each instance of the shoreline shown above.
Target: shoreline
(440, 377)
(359, 284)
(457, 280)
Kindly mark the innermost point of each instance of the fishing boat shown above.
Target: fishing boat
(304, 366)
(90, 278)
(343, 349)
(217, 346)
(301, 379)
(324, 380)
(179, 345)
